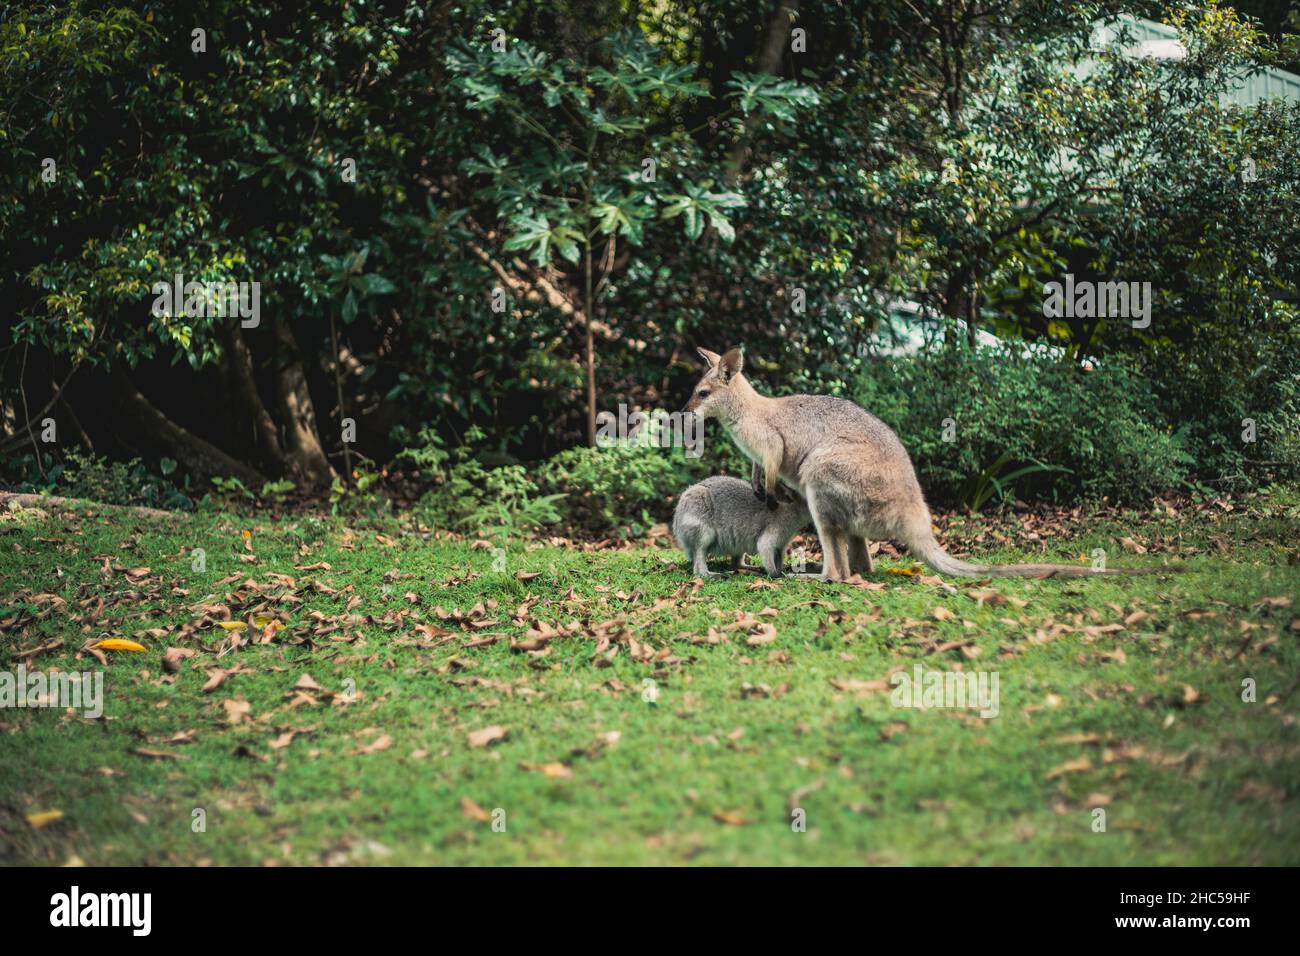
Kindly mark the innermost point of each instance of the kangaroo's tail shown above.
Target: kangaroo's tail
(922, 543)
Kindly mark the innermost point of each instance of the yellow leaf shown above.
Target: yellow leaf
(231, 625)
(38, 820)
(117, 644)
(906, 571)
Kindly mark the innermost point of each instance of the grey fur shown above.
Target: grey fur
(722, 515)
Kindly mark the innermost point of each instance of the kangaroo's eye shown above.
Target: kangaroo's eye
(703, 393)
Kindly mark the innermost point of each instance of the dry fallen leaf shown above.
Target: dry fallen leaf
(382, 742)
(172, 657)
(117, 644)
(1070, 766)
(555, 770)
(730, 818)
(43, 817)
(488, 735)
(1130, 545)
(236, 709)
(474, 811)
(858, 686)
(941, 613)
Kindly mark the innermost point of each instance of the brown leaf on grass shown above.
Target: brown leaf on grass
(995, 598)
(236, 709)
(173, 656)
(852, 685)
(305, 682)
(53, 644)
(486, 736)
(526, 575)
(554, 769)
(892, 729)
(941, 613)
(155, 754)
(764, 633)
(857, 581)
(473, 811)
(1077, 739)
(1128, 544)
(1070, 766)
(219, 675)
(382, 742)
(730, 818)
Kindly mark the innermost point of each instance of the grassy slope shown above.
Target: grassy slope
(707, 773)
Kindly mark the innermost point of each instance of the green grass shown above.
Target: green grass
(1188, 772)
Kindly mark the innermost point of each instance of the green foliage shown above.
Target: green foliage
(1038, 427)
(94, 478)
(469, 497)
(622, 489)
(864, 171)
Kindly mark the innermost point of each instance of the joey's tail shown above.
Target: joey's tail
(925, 546)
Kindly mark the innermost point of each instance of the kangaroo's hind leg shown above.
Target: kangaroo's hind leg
(860, 556)
(834, 540)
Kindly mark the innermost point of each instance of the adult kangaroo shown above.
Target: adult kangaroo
(848, 465)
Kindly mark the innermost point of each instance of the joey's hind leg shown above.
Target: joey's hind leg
(701, 564)
(697, 548)
(773, 555)
(860, 556)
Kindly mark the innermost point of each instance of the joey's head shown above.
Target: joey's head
(714, 392)
(794, 515)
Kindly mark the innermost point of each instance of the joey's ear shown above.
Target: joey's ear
(710, 357)
(732, 363)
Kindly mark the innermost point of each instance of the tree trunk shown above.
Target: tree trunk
(305, 461)
(589, 353)
(252, 412)
(771, 52)
(203, 459)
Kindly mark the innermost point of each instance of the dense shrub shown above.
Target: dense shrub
(1229, 373)
(94, 478)
(1028, 423)
(471, 497)
(624, 489)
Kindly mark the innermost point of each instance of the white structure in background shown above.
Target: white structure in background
(1160, 42)
(912, 328)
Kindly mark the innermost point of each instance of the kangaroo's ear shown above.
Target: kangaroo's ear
(710, 357)
(732, 363)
